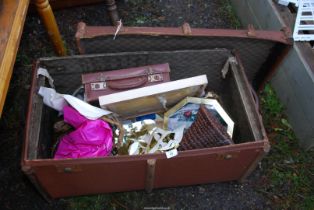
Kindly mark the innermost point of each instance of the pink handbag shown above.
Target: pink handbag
(107, 82)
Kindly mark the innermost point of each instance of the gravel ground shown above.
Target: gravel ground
(16, 192)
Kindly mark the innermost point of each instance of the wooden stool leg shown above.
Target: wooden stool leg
(48, 18)
(112, 9)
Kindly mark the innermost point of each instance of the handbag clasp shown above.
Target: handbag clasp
(98, 85)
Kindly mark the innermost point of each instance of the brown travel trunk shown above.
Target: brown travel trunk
(70, 177)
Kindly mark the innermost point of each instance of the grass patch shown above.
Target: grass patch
(227, 11)
(110, 201)
(289, 171)
(23, 59)
(87, 202)
(141, 12)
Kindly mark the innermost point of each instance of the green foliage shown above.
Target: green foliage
(289, 169)
(112, 201)
(140, 20)
(23, 59)
(226, 10)
(308, 203)
(138, 13)
(96, 202)
(270, 102)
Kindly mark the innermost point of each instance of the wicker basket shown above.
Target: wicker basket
(205, 132)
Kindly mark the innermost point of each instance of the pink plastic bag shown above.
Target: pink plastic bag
(92, 138)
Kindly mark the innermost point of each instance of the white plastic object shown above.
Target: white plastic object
(52, 99)
(57, 101)
(286, 2)
(85, 109)
(172, 153)
(304, 21)
(44, 72)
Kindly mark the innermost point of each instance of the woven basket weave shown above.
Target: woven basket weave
(206, 131)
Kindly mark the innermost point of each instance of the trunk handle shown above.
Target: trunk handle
(137, 82)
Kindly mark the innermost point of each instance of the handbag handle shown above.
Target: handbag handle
(115, 122)
(127, 83)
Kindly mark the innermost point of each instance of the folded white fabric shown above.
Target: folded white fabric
(52, 98)
(57, 101)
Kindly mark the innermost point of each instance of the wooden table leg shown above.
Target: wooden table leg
(112, 9)
(48, 18)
